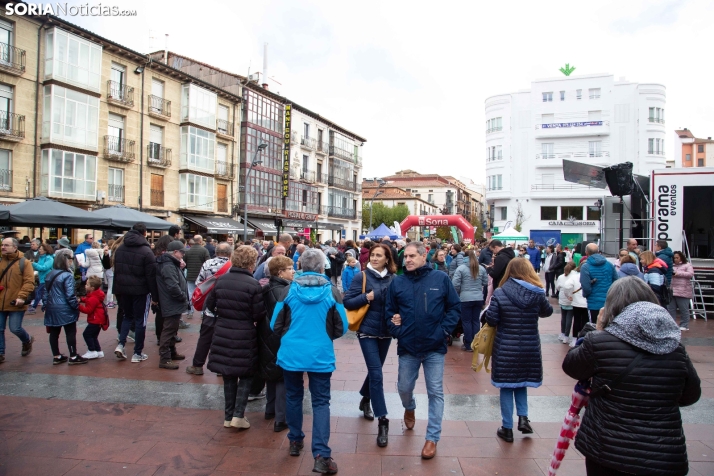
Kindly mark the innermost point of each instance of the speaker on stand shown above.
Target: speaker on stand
(621, 183)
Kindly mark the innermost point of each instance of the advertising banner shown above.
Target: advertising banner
(545, 237)
(571, 239)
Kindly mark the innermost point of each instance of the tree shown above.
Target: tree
(444, 233)
(383, 214)
(520, 218)
(478, 228)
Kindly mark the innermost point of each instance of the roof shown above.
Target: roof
(703, 141)
(684, 133)
(392, 193)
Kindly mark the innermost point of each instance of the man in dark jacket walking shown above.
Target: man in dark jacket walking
(422, 310)
(135, 287)
(195, 257)
(173, 300)
(501, 257)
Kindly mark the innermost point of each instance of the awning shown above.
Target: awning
(216, 224)
(124, 218)
(328, 226)
(267, 227)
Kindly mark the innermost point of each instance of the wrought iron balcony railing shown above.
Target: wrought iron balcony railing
(224, 127)
(159, 107)
(225, 169)
(119, 149)
(115, 193)
(339, 212)
(342, 153)
(120, 94)
(308, 142)
(307, 176)
(12, 126)
(342, 183)
(12, 59)
(323, 147)
(158, 156)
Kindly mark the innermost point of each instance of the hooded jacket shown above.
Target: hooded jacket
(534, 256)
(636, 427)
(485, 257)
(16, 283)
(514, 310)
(269, 341)
(500, 262)
(309, 318)
(667, 256)
(374, 322)
(629, 269)
(364, 257)
(135, 267)
(59, 300)
(429, 307)
(93, 262)
(91, 305)
(656, 275)
(348, 274)
(456, 261)
(682, 280)
(596, 276)
(171, 283)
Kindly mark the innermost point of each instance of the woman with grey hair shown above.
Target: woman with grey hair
(640, 375)
(61, 308)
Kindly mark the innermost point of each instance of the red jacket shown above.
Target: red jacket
(91, 305)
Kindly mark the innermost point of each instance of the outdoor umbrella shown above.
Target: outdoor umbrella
(382, 231)
(125, 217)
(4, 213)
(41, 211)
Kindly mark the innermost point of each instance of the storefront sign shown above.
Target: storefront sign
(570, 124)
(286, 150)
(300, 215)
(572, 223)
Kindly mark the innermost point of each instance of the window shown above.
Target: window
(157, 190)
(700, 149)
(595, 148)
(272, 156)
(157, 88)
(504, 213)
(593, 213)
(264, 190)
(547, 118)
(578, 94)
(115, 192)
(567, 213)
(656, 115)
(430, 198)
(319, 139)
(197, 149)
(305, 163)
(562, 95)
(547, 150)
(688, 157)
(68, 175)
(221, 197)
(118, 78)
(5, 170)
(222, 123)
(548, 213)
(548, 97)
(495, 182)
(72, 59)
(156, 138)
(263, 112)
(306, 131)
(222, 165)
(594, 115)
(494, 125)
(115, 133)
(70, 117)
(195, 192)
(6, 96)
(650, 146)
(198, 105)
(594, 93)
(700, 162)
(499, 152)
(302, 198)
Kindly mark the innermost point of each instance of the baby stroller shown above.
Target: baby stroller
(455, 334)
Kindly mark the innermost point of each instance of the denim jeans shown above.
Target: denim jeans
(235, 393)
(470, 313)
(136, 311)
(38, 295)
(375, 353)
(191, 288)
(320, 395)
(433, 364)
(15, 318)
(566, 321)
(507, 396)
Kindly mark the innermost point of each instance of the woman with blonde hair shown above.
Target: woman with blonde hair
(514, 310)
(655, 274)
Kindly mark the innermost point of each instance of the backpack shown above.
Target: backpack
(198, 298)
(105, 325)
(482, 345)
(31, 296)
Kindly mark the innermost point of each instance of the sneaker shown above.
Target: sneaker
(91, 354)
(295, 447)
(59, 360)
(77, 360)
(561, 336)
(178, 339)
(573, 340)
(27, 348)
(171, 365)
(136, 358)
(119, 351)
(184, 325)
(110, 305)
(31, 310)
(565, 340)
(194, 370)
(256, 396)
(242, 423)
(324, 465)
(131, 336)
(100, 355)
(684, 328)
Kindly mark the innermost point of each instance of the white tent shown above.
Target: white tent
(510, 234)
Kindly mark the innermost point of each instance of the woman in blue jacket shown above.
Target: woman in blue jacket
(373, 335)
(43, 266)
(469, 280)
(517, 361)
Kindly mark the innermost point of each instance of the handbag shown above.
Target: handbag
(356, 316)
(482, 346)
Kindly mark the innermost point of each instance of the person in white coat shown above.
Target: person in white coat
(572, 297)
(93, 261)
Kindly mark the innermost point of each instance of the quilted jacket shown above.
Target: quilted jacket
(59, 301)
(374, 322)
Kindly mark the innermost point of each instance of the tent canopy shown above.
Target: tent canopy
(125, 217)
(41, 211)
(382, 231)
(4, 213)
(510, 234)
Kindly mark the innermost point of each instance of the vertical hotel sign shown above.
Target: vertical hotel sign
(286, 151)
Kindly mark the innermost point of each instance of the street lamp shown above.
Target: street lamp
(245, 190)
(379, 192)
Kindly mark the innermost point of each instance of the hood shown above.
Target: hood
(522, 294)
(507, 251)
(647, 326)
(667, 252)
(629, 269)
(419, 272)
(311, 287)
(166, 258)
(133, 238)
(92, 252)
(658, 263)
(596, 260)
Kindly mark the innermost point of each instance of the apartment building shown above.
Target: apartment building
(593, 119)
(93, 124)
(690, 151)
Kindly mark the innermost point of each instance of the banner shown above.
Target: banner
(454, 234)
(571, 239)
(286, 150)
(545, 237)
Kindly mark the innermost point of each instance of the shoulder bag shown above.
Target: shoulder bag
(355, 317)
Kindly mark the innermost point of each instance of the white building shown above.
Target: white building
(591, 119)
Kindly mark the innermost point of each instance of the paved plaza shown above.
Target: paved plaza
(110, 417)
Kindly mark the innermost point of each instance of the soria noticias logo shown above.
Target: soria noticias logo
(64, 9)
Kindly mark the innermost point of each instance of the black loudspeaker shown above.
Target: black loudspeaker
(619, 179)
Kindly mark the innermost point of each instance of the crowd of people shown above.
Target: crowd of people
(270, 312)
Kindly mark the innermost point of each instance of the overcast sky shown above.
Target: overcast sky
(412, 77)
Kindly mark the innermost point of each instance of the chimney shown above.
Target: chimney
(265, 65)
(685, 129)
(709, 138)
(166, 49)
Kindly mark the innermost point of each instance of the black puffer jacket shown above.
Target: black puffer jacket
(135, 267)
(173, 294)
(268, 341)
(500, 263)
(637, 427)
(237, 302)
(515, 308)
(374, 322)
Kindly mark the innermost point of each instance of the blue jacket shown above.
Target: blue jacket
(629, 269)
(429, 307)
(470, 289)
(485, 257)
(59, 302)
(82, 247)
(667, 256)
(296, 257)
(534, 256)
(348, 273)
(603, 273)
(43, 266)
(454, 264)
(374, 323)
(308, 318)
(514, 309)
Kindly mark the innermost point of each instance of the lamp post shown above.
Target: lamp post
(245, 189)
(379, 192)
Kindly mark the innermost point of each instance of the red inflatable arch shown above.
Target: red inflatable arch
(440, 220)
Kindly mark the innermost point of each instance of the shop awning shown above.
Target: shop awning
(216, 224)
(124, 218)
(328, 226)
(267, 227)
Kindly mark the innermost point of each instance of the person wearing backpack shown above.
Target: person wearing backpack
(97, 319)
(17, 280)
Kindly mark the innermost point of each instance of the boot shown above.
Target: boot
(506, 434)
(383, 436)
(366, 408)
(524, 425)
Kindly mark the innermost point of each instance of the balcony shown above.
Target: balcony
(159, 107)
(322, 178)
(562, 186)
(358, 160)
(342, 183)
(222, 205)
(224, 128)
(323, 148)
(158, 156)
(308, 143)
(12, 60)
(157, 198)
(119, 149)
(656, 120)
(494, 159)
(307, 176)
(115, 193)
(494, 129)
(556, 160)
(339, 212)
(120, 94)
(572, 129)
(225, 170)
(12, 126)
(5, 180)
(341, 153)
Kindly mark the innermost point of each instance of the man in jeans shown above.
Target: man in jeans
(195, 257)
(173, 299)
(17, 285)
(308, 318)
(423, 309)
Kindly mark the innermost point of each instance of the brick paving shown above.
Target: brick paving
(50, 436)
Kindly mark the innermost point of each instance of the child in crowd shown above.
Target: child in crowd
(352, 267)
(97, 319)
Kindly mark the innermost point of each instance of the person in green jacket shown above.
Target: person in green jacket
(577, 254)
(43, 266)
